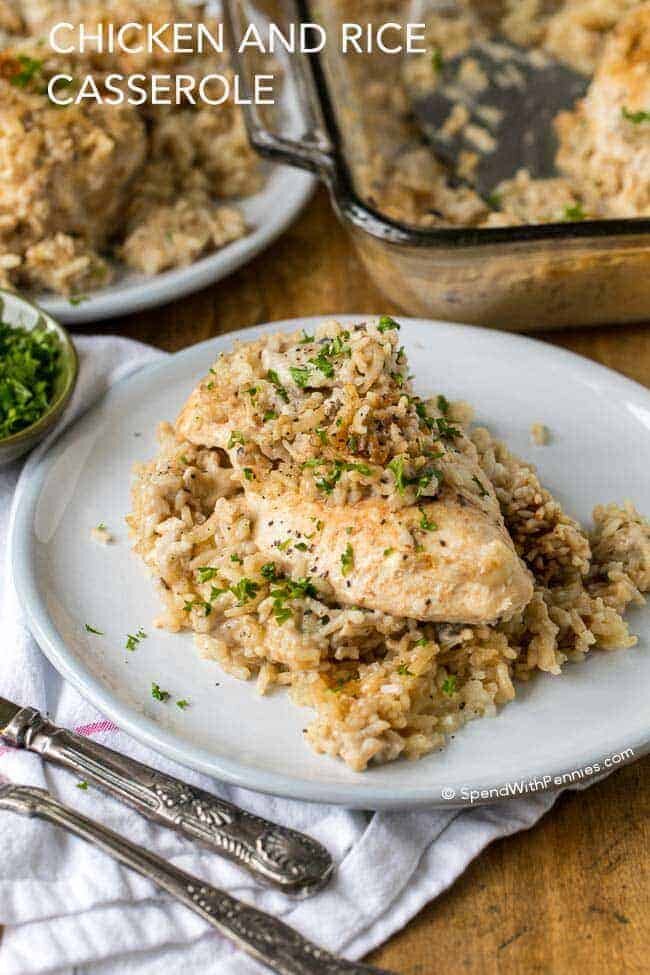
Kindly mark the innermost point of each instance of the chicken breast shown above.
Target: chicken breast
(460, 568)
(351, 480)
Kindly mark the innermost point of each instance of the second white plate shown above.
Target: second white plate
(600, 452)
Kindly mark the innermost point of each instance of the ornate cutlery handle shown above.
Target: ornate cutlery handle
(284, 857)
(262, 936)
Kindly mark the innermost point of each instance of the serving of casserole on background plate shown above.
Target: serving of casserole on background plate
(555, 724)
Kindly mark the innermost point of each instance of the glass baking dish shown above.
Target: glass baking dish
(521, 278)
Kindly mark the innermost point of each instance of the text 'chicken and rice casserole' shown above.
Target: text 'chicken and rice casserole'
(318, 525)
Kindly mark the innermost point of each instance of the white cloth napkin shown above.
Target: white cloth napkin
(67, 908)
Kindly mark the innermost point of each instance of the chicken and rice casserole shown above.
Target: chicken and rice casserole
(317, 525)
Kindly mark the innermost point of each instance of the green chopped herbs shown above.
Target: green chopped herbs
(30, 68)
(322, 363)
(252, 391)
(403, 671)
(248, 474)
(306, 338)
(205, 573)
(215, 592)
(574, 214)
(483, 493)
(636, 118)
(449, 685)
(273, 377)
(269, 571)
(388, 551)
(422, 642)
(288, 589)
(494, 201)
(29, 367)
(445, 430)
(159, 695)
(244, 591)
(300, 375)
(270, 415)
(83, 785)
(236, 558)
(396, 466)
(77, 299)
(426, 524)
(182, 704)
(236, 438)
(443, 404)
(387, 324)
(133, 639)
(322, 435)
(91, 629)
(421, 480)
(347, 560)
(437, 60)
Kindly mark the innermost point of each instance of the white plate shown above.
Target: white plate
(600, 452)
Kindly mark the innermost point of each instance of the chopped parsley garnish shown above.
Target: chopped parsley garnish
(29, 69)
(205, 606)
(182, 704)
(217, 591)
(300, 375)
(270, 571)
(322, 363)
(422, 642)
(206, 572)
(306, 339)
(270, 415)
(82, 785)
(322, 435)
(132, 639)
(445, 430)
(236, 437)
(281, 612)
(248, 473)
(29, 366)
(403, 671)
(420, 481)
(91, 629)
(575, 213)
(636, 118)
(288, 589)
(387, 324)
(301, 546)
(494, 200)
(437, 60)
(273, 377)
(245, 590)
(328, 482)
(426, 524)
(101, 527)
(443, 404)
(480, 486)
(449, 685)
(388, 551)
(347, 560)
(157, 694)
(421, 410)
(236, 558)
(252, 391)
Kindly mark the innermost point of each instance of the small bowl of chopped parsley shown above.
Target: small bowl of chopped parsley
(38, 373)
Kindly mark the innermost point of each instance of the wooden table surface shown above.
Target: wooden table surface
(571, 895)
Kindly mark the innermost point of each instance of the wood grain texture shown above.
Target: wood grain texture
(570, 895)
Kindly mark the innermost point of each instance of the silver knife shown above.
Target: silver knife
(266, 938)
(290, 860)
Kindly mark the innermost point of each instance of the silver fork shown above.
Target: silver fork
(286, 858)
(267, 939)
